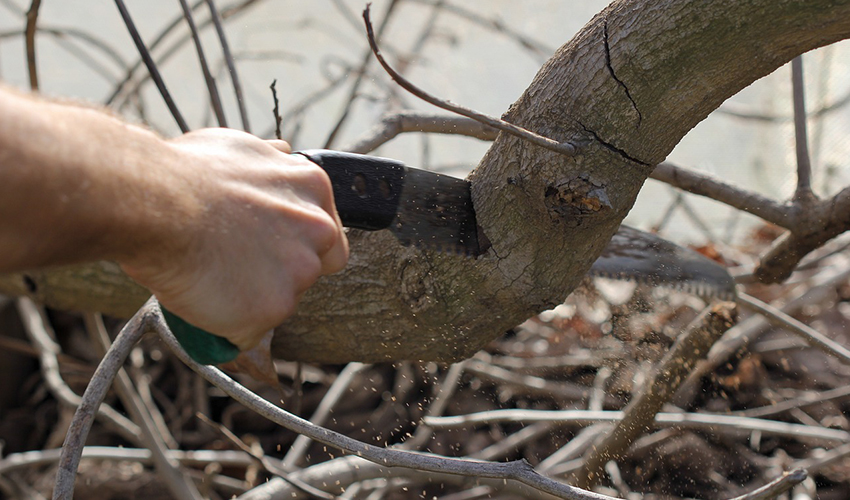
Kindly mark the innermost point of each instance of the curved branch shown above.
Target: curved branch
(32, 20)
(78, 431)
(717, 190)
(412, 121)
(823, 221)
(565, 148)
(517, 470)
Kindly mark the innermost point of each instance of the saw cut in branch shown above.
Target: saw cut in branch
(564, 148)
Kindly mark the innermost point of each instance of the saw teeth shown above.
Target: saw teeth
(701, 289)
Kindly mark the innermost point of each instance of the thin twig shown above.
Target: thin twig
(745, 332)
(445, 390)
(276, 110)
(32, 20)
(262, 459)
(575, 448)
(64, 33)
(411, 121)
(690, 346)
(293, 458)
(37, 458)
(355, 87)
(75, 439)
(704, 185)
(517, 470)
(231, 65)
(737, 111)
(782, 320)
(212, 88)
(564, 148)
(776, 487)
(294, 117)
(123, 92)
(823, 460)
(175, 480)
(151, 65)
(801, 139)
(349, 470)
(510, 444)
(807, 399)
(706, 421)
(36, 327)
(539, 49)
(534, 385)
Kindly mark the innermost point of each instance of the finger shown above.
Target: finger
(335, 259)
(279, 145)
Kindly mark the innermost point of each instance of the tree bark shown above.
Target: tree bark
(626, 89)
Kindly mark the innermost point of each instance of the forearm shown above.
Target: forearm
(225, 229)
(77, 184)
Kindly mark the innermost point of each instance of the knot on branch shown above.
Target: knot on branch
(576, 199)
(417, 285)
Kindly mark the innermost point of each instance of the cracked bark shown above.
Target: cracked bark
(680, 59)
(614, 73)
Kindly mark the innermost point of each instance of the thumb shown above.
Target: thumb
(281, 146)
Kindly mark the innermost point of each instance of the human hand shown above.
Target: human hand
(261, 228)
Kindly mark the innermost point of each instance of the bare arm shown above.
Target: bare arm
(224, 228)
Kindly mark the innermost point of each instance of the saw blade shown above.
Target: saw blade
(421, 208)
(645, 258)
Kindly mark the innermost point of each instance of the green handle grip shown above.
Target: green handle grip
(201, 345)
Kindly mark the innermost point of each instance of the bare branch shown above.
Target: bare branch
(564, 148)
(151, 65)
(705, 421)
(801, 139)
(128, 88)
(411, 121)
(355, 87)
(518, 470)
(539, 49)
(690, 346)
(175, 480)
(72, 448)
(782, 320)
(34, 319)
(263, 460)
(228, 458)
(742, 334)
(276, 110)
(806, 399)
(231, 65)
(212, 88)
(704, 185)
(32, 20)
(294, 457)
(821, 221)
(776, 487)
(533, 385)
